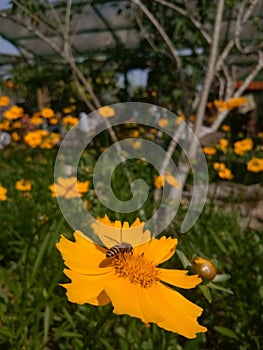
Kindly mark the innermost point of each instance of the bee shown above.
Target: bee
(122, 248)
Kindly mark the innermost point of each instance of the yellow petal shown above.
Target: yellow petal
(82, 254)
(86, 288)
(179, 278)
(100, 300)
(180, 314)
(131, 299)
(158, 250)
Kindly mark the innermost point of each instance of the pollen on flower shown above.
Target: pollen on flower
(136, 268)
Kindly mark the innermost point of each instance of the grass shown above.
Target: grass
(35, 313)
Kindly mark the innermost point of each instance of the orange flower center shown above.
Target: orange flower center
(136, 268)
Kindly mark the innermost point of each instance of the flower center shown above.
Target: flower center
(136, 268)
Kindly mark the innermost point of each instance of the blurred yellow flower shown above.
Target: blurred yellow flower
(180, 119)
(226, 174)
(219, 166)
(70, 120)
(163, 122)
(223, 144)
(136, 133)
(230, 104)
(260, 134)
(225, 128)
(69, 188)
(4, 101)
(14, 112)
(47, 113)
(36, 120)
(131, 281)
(17, 125)
(160, 180)
(69, 109)
(106, 112)
(136, 144)
(255, 165)
(50, 141)
(53, 121)
(15, 136)
(5, 125)
(23, 185)
(209, 151)
(34, 138)
(240, 147)
(3, 191)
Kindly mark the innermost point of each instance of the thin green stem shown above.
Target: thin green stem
(96, 329)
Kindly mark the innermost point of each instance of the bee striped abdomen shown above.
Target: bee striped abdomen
(119, 248)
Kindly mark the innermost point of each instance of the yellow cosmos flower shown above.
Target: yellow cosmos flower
(53, 121)
(255, 165)
(36, 120)
(23, 185)
(70, 120)
(240, 147)
(136, 144)
(68, 110)
(69, 188)
(223, 144)
(34, 138)
(209, 151)
(219, 166)
(161, 180)
(136, 133)
(106, 112)
(16, 125)
(225, 128)
(4, 101)
(131, 281)
(14, 112)
(50, 141)
(5, 125)
(15, 136)
(230, 104)
(163, 122)
(3, 191)
(223, 172)
(47, 113)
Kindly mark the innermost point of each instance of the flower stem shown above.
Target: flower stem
(96, 329)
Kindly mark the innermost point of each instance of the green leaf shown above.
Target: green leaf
(184, 260)
(206, 292)
(214, 286)
(221, 277)
(226, 331)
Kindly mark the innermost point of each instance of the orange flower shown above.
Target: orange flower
(4, 101)
(50, 141)
(69, 120)
(225, 128)
(255, 165)
(3, 192)
(36, 120)
(23, 185)
(226, 174)
(5, 125)
(240, 147)
(106, 112)
(15, 136)
(230, 104)
(68, 110)
(209, 151)
(53, 121)
(131, 279)
(223, 143)
(34, 138)
(69, 188)
(47, 113)
(163, 122)
(136, 144)
(14, 112)
(160, 180)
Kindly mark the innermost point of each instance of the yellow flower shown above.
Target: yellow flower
(34, 138)
(223, 143)
(50, 141)
(15, 136)
(226, 174)
(260, 134)
(255, 165)
(219, 166)
(240, 147)
(163, 122)
(36, 120)
(10, 84)
(47, 113)
(230, 104)
(136, 133)
(3, 192)
(136, 144)
(210, 151)
(23, 185)
(160, 180)
(180, 119)
(68, 110)
(4, 101)
(53, 121)
(131, 281)
(225, 128)
(106, 112)
(16, 125)
(70, 120)
(14, 112)
(69, 188)
(5, 125)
